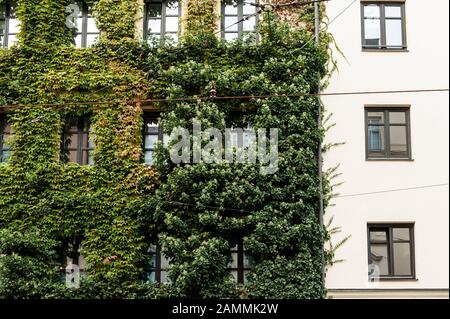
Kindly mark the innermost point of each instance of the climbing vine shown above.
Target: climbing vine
(119, 206)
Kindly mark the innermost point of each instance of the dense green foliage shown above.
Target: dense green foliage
(119, 206)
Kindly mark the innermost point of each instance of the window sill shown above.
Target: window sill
(389, 160)
(394, 279)
(385, 50)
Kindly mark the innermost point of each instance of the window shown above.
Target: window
(162, 19)
(5, 132)
(152, 134)
(240, 262)
(388, 133)
(9, 25)
(75, 265)
(158, 266)
(76, 144)
(383, 25)
(233, 13)
(87, 32)
(391, 251)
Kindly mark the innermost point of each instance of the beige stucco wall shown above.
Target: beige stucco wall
(425, 65)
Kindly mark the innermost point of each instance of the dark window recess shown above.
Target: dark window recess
(235, 12)
(240, 262)
(162, 19)
(391, 251)
(158, 266)
(152, 134)
(5, 133)
(77, 144)
(388, 133)
(9, 24)
(87, 32)
(383, 25)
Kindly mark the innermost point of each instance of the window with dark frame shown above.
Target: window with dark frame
(391, 251)
(5, 133)
(87, 32)
(158, 266)
(162, 19)
(9, 24)
(75, 266)
(388, 133)
(77, 144)
(232, 13)
(240, 263)
(152, 135)
(383, 25)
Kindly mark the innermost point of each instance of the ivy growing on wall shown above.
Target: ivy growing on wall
(118, 206)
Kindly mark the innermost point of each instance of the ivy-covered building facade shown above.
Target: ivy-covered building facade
(91, 205)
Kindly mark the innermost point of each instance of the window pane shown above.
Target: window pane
(230, 24)
(234, 245)
(151, 277)
(150, 141)
(378, 236)
(397, 117)
(91, 39)
(376, 139)
(393, 11)
(376, 117)
(73, 156)
(401, 234)
(90, 160)
(171, 24)
(394, 36)
(14, 25)
(235, 275)
(246, 273)
(78, 40)
(91, 25)
(379, 259)
(73, 141)
(233, 262)
(231, 10)
(249, 261)
(250, 24)
(154, 26)
(165, 262)
(248, 9)
(398, 139)
(372, 30)
(402, 259)
(173, 37)
(79, 23)
(155, 10)
(148, 157)
(164, 277)
(172, 9)
(372, 11)
(2, 31)
(12, 39)
(152, 262)
(231, 36)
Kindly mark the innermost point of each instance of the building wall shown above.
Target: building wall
(423, 66)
